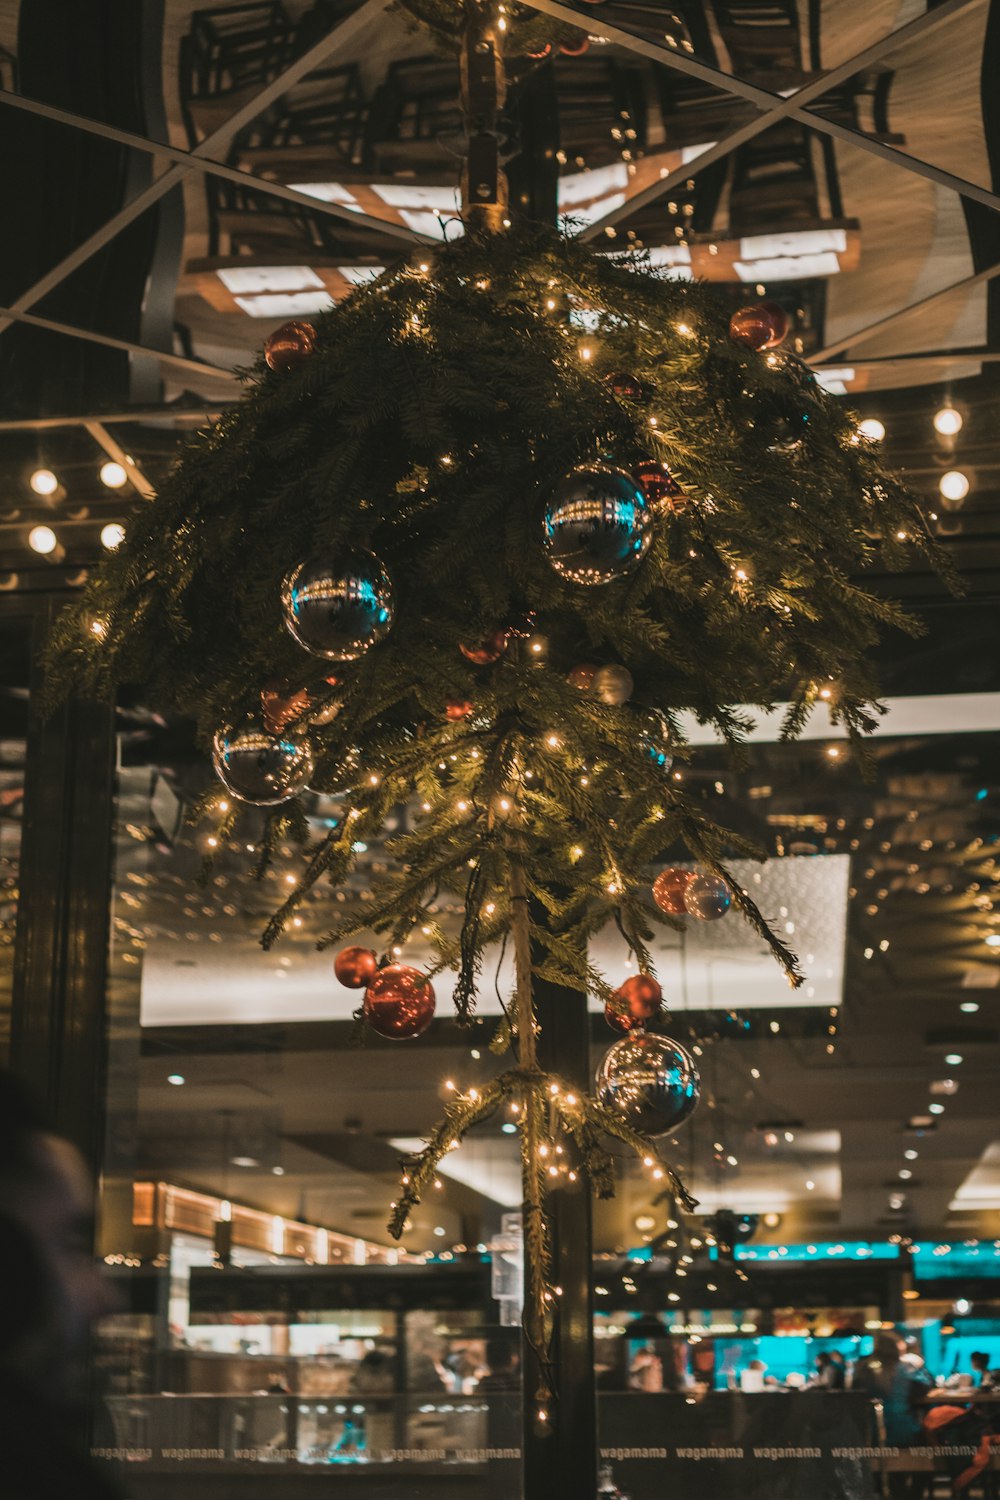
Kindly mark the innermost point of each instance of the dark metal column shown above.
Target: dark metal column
(563, 1464)
(60, 957)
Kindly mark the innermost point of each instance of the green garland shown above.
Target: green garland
(440, 407)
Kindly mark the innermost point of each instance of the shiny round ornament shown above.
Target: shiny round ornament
(613, 684)
(280, 704)
(453, 712)
(575, 49)
(650, 1081)
(655, 740)
(708, 898)
(289, 346)
(660, 487)
(356, 967)
(597, 525)
(635, 1002)
(669, 888)
(785, 431)
(522, 626)
(582, 677)
(399, 1002)
(763, 325)
(327, 711)
(487, 651)
(339, 604)
(261, 768)
(625, 386)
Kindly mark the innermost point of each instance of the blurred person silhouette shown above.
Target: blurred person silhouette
(830, 1374)
(885, 1376)
(503, 1356)
(51, 1293)
(982, 1376)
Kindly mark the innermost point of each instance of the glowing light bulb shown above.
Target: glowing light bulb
(113, 475)
(112, 535)
(44, 482)
(948, 421)
(42, 539)
(872, 429)
(954, 485)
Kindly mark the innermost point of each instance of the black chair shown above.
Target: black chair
(412, 115)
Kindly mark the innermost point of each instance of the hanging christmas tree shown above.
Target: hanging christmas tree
(473, 543)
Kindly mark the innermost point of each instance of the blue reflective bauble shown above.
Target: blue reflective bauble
(259, 767)
(708, 898)
(650, 1081)
(338, 604)
(597, 524)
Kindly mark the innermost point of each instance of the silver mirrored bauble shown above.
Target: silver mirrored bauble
(338, 604)
(258, 767)
(655, 739)
(650, 1081)
(597, 524)
(708, 898)
(613, 684)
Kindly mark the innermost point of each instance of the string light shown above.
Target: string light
(42, 539)
(954, 485)
(113, 475)
(948, 421)
(872, 429)
(44, 482)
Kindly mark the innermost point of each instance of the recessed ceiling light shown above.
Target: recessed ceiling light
(911, 1155)
(953, 1059)
(440, 1231)
(969, 1007)
(508, 1127)
(44, 482)
(244, 1161)
(947, 421)
(905, 1173)
(954, 485)
(42, 539)
(936, 1109)
(896, 1202)
(176, 1078)
(278, 1171)
(112, 535)
(113, 475)
(992, 940)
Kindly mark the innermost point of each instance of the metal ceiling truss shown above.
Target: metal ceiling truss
(773, 109)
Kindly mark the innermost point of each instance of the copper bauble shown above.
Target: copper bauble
(455, 711)
(290, 345)
(281, 704)
(582, 677)
(399, 1002)
(575, 49)
(356, 967)
(625, 386)
(708, 898)
(488, 650)
(635, 1002)
(763, 325)
(668, 890)
(661, 488)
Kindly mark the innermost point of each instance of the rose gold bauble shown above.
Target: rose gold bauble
(624, 385)
(763, 325)
(399, 1002)
(487, 651)
(669, 888)
(281, 704)
(289, 346)
(660, 487)
(635, 1002)
(457, 710)
(355, 967)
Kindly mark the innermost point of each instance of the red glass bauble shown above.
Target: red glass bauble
(289, 345)
(763, 325)
(356, 967)
(669, 888)
(454, 711)
(575, 49)
(625, 386)
(399, 1002)
(582, 677)
(489, 650)
(635, 1002)
(280, 704)
(660, 487)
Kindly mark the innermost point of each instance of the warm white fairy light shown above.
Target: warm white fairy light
(948, 422)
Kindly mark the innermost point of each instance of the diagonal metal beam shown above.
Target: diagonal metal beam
(218, 140)
(178, 361)
(115, 451)
(730, 84)
(919, 26)
(871, 330)
(212, 168)
(134, 415)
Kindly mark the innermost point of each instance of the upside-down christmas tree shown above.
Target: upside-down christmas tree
(472, 543)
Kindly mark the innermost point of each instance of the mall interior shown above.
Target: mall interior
(181, 181)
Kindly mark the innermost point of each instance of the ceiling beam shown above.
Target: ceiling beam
(114, 450)
(919, 26)
(177, 361)
(138, 414)
(212, 168)
(219, 140)
(728, 83)
(871, 330)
